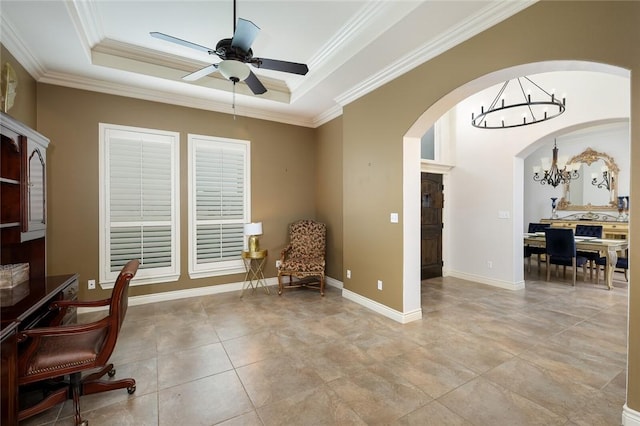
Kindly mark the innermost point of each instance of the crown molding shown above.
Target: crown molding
(166, 97)
(484, 19)
(12, 42)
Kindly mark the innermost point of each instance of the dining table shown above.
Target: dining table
(608, 248)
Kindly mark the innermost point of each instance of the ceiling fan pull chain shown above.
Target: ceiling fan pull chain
(233, 101)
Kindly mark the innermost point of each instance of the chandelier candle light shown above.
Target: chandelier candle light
(556, 171)
(530, 107)
(252, 230)
(607, 179)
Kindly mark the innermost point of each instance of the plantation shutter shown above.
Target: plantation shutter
(140, 204)
(220, 196)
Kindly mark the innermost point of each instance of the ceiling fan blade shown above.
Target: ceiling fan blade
(181, 42)
(284, 66)
(254, 84)
(200, 73)
(246, 33)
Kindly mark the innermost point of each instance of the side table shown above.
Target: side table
(254, 264)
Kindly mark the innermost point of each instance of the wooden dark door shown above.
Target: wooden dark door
(431, 226)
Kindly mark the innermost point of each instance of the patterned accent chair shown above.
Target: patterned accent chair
(304, 257)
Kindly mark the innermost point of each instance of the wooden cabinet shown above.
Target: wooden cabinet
(23, 159)
(610, 229)
(34, 189)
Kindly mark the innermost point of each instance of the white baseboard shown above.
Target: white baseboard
(381, 309)
(630, 417)
(509, 285)
(400, 317)
(196, 292)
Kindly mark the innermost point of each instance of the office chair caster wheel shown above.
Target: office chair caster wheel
(111, 372)
(131, 389)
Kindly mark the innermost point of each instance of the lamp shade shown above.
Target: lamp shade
(254, 228)
(232, 69)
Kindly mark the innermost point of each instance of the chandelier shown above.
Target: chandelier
(530, 104)
(555, 172)
(607, 179)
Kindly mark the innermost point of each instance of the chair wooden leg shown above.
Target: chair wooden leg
(53, 399)
(548, 269)
(575, 271)
(75, 391)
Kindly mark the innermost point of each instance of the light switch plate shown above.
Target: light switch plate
(394, 217)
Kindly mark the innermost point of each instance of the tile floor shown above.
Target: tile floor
(550, 354)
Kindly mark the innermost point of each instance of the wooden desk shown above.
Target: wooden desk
(29, 311)
(608, 248)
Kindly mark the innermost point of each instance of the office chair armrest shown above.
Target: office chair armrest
(63, 329)
(66, 303)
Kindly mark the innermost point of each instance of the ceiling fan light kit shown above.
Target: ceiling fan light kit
(235, 54)
(233, 70)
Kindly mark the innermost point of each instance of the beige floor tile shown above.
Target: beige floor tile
(435, 377)
(432, 414)
(555, 391)
(548, 354)
(377, 396)
(259, 346)
(247, 419)
(183, 366)
(315, 407)
(485, 403)
(206, 401)
(139, 411)
(271, 380)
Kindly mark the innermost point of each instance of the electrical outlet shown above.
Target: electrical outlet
(489, 264)
(379, 284)
(348, 273)
(278, 263)
(91, 284)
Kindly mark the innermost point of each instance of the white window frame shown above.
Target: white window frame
(227, 267)
(143, 276)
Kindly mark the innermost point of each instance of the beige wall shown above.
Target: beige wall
(24, 106)
(374, 125)
(282, 175)
(370, 139)
(329, 191)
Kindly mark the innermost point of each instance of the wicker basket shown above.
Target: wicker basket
(12, 275)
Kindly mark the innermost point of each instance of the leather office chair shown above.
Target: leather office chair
(52, 353)
(538, 251)
(561, 250)
(304, 258)
(592, 257)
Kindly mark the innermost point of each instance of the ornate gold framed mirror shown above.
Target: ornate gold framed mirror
(597, 186)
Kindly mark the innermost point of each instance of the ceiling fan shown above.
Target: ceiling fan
(236, 53)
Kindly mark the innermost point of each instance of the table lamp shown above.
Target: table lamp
(253, 229)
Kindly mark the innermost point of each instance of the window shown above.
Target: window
(219, 194)
(139, 199)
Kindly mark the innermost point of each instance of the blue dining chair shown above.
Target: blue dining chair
(621, 264)
(561, 250)
(592, 256)
(538, 251)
